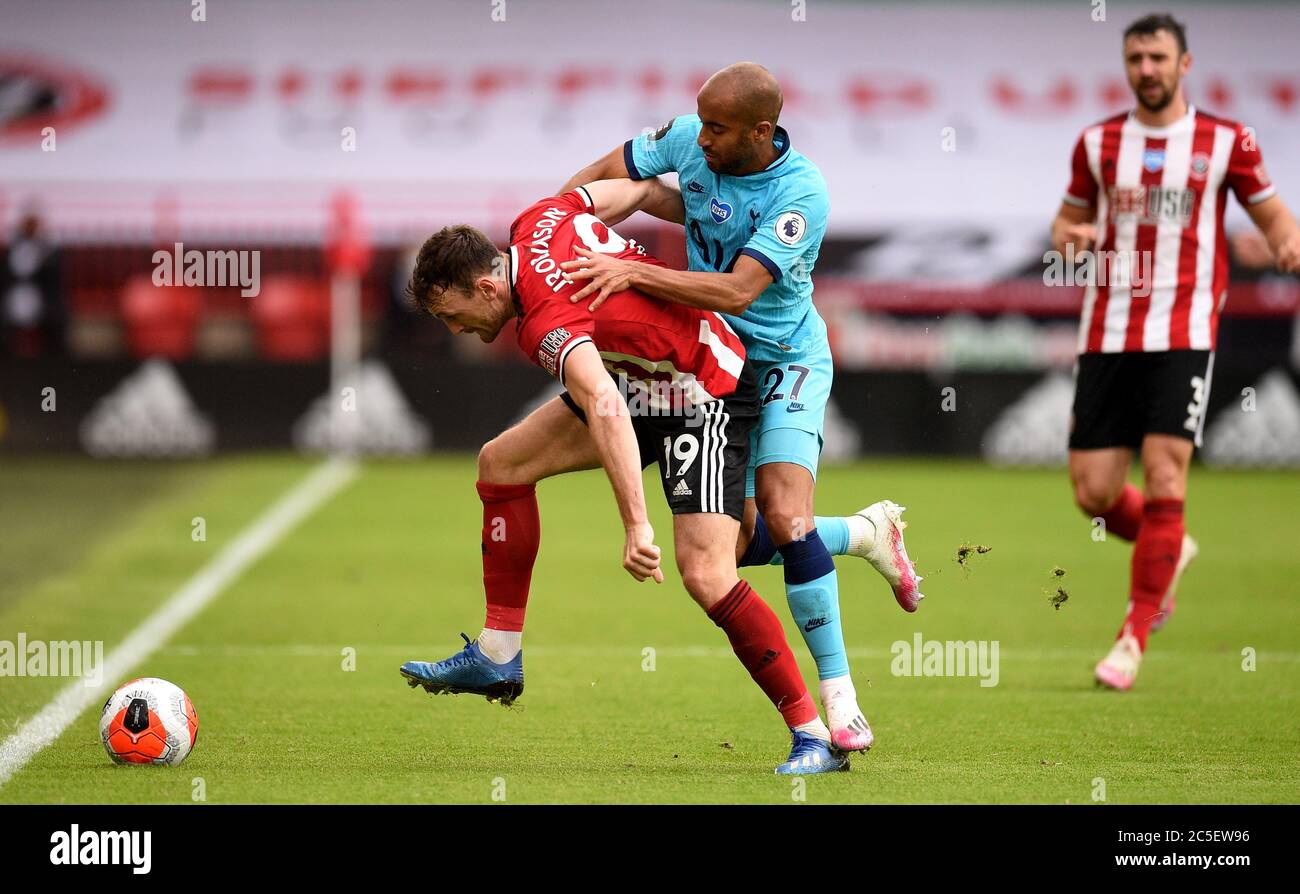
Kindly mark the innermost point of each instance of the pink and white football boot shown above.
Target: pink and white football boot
(1119, 669)
(876, 534)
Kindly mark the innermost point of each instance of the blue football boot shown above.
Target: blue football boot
(809, 755)
(469, 671)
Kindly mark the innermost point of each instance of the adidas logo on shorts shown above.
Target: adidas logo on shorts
(681, 490)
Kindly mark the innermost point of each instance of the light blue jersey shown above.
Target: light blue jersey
(777, 216)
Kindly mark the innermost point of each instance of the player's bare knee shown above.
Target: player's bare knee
(706, 567)
(487, 461)
(496, 464)
(1165, 481)
(785, 502)
(785, 525)
(1094, 496)
(707, 585)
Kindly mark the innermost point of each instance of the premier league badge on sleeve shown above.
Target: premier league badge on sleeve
(790, 227)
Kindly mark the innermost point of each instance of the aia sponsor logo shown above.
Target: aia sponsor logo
(1152, 204)
(36, 93)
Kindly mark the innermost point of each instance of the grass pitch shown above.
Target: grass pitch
(389, 569)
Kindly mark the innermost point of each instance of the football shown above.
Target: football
(149, 721)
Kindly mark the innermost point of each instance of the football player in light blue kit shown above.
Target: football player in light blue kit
(755, 212)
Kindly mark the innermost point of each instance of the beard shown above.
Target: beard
(744, 162)
(1161, 100)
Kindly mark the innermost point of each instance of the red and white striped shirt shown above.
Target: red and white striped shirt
(670, 353)
(1161, 271)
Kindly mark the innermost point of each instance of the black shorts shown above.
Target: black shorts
(703, 452)
(1121, 398)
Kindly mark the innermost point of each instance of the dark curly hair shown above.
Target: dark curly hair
(452, 257)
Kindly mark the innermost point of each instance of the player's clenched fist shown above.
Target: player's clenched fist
(1081, 235)
(1288, 255)
(640, 555)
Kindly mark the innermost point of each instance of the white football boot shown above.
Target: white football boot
(1119, 669)
(876, 534)
(1167, 605)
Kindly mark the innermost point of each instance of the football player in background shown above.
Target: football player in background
(1148, 191)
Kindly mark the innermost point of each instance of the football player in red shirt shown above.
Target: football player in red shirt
(645, 381)
(1149, 190)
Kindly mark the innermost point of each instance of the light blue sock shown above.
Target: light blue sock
(813, 592)
(834, 532)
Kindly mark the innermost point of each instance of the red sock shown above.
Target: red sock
(1124, 519)
(511, 533)
(759, 642)
(1155, 556)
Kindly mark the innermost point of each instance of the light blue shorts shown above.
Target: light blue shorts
(792, 396)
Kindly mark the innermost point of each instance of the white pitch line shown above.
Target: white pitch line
(194, 595)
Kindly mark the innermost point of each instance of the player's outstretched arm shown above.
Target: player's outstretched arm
(664, 202)
(729, 293)
(1073, 224)
(607, 167)
(610, 425)
(1279, 227)
(615, 200)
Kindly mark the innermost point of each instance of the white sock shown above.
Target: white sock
(862, 534)
(837, 688)
(816, 728)
(500, 646)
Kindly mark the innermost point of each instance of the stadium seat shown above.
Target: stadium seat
(292, 318)
(160, 321)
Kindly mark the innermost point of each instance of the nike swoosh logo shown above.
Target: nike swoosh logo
(795, 408)
(814, 624)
